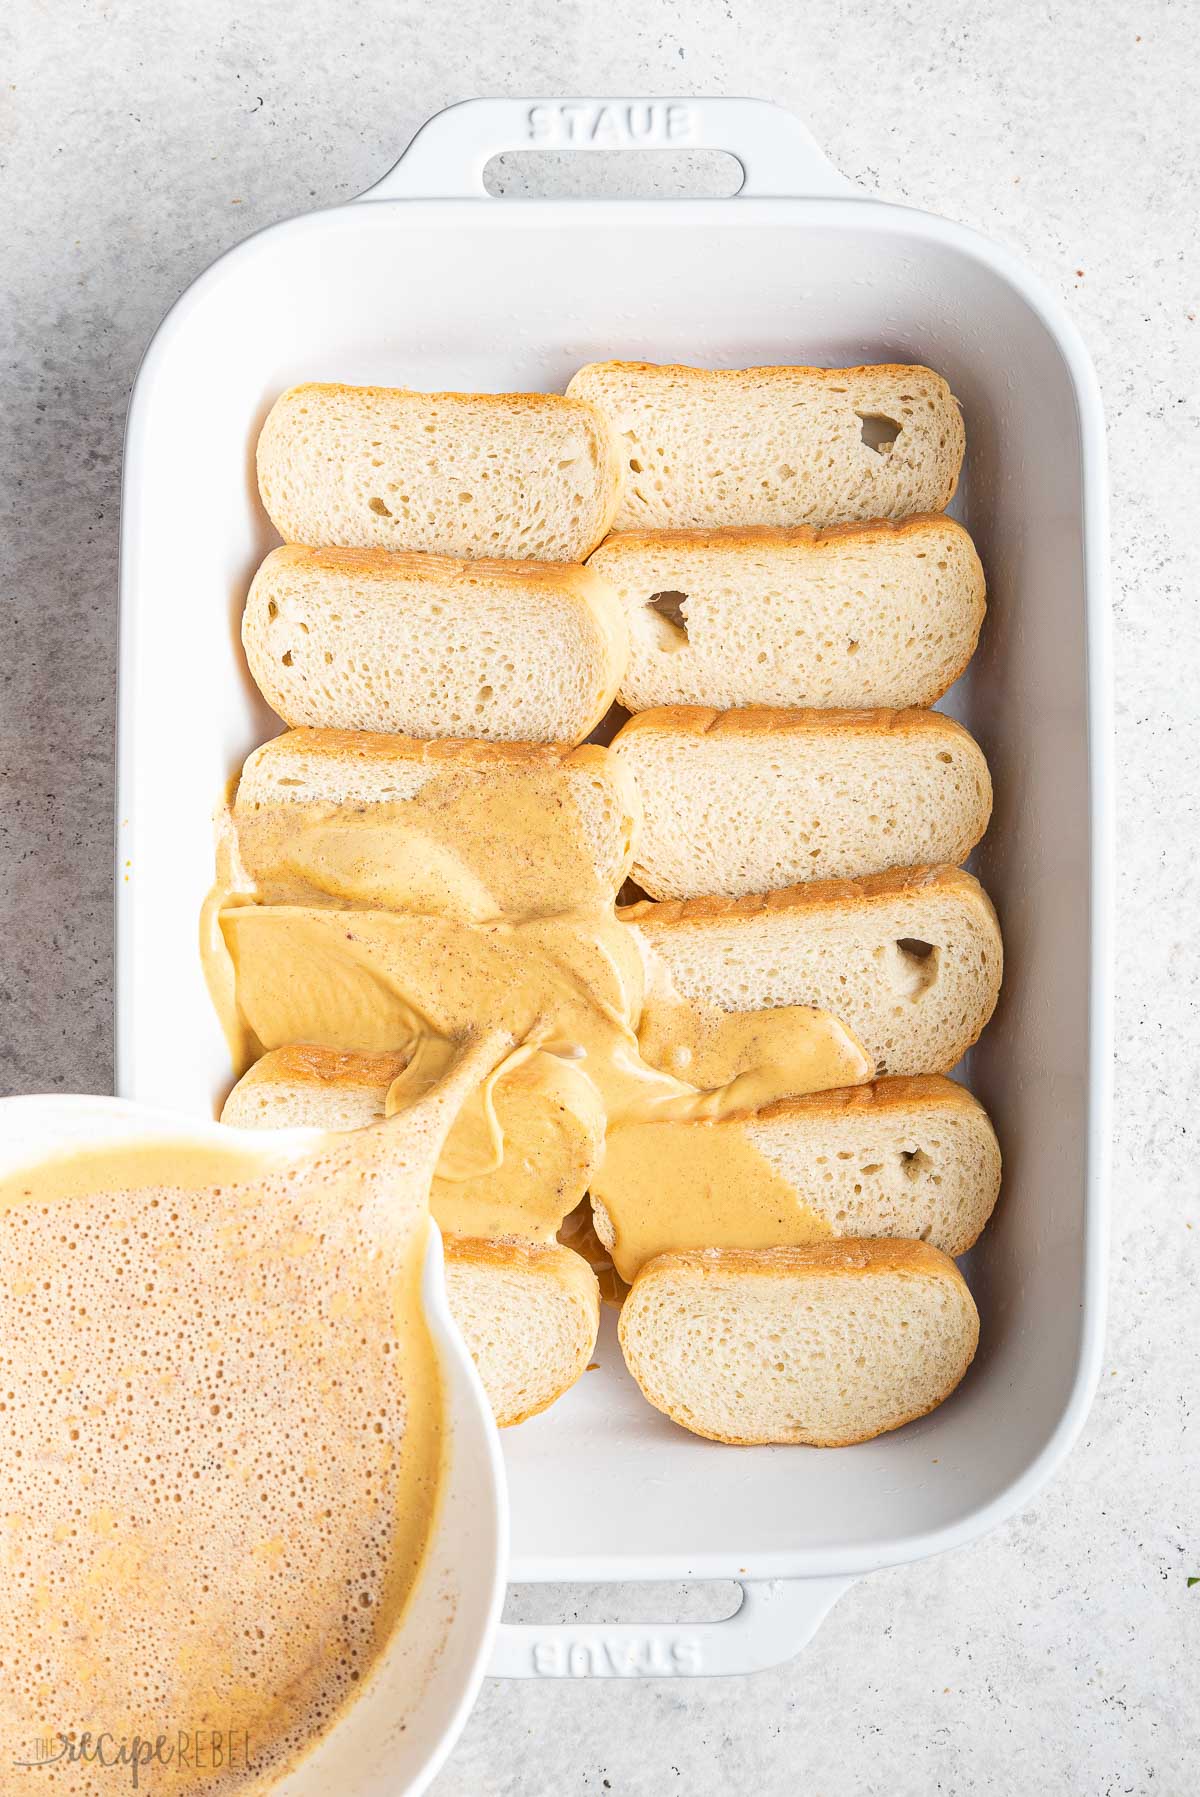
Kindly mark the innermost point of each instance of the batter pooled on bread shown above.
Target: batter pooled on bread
(318, 934)
(220, 1440)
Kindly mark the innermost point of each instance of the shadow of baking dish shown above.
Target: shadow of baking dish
(392, 1740)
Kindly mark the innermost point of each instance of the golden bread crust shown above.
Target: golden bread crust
(412, 565)
(815, 895)
(757, 376)
(895, 1092)
(766, 720)
(307, 1064)
(379, 749)
(767, 536)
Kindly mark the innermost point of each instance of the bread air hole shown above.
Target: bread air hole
(914, 966)
(377, 505)
(914, 1163)
(878, 431)
(671, 629)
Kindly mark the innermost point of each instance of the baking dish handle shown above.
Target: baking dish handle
(777, 1617)
(447, 157)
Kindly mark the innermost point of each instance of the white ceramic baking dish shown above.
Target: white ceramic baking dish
(430, 283)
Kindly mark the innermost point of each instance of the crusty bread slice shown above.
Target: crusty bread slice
(528, 1312)
(532, 476)
(828, 1345)
(777, 446)
(549, 1113)
(910, 960)
(533, 824)
(313, 1088)
(914, 1158)
(426, 646)
(736, 802)
(862, 614)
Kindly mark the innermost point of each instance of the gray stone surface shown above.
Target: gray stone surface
(139, 139)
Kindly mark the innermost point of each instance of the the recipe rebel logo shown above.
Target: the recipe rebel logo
(613, 124)
(186, 1749)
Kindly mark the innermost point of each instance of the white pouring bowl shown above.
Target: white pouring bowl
(395, 1736)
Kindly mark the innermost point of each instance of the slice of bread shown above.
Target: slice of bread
(542, 1101)
(862, 614)
(528, 1312)
(487, 828)
(532, 476)
(738, 802)
(313, 1088)
(827, 1345)
(913, 1158)
(910, 960)
(777, 446)
(424, 646)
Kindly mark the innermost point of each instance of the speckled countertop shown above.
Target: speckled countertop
(138, 140)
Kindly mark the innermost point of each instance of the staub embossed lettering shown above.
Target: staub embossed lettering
(615, 124)
(595, 1657)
